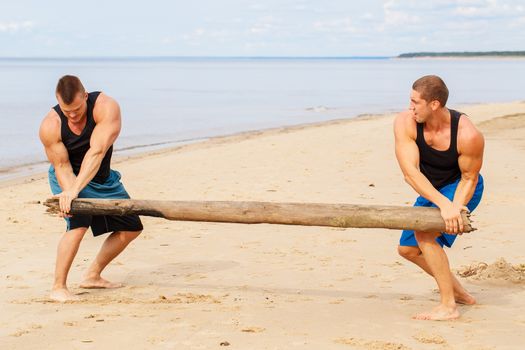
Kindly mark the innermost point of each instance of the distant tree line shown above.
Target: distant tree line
(464, 54)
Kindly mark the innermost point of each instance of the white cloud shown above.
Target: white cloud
(199, 37)
(264, 25)
(397, 13)
(341, 25)
(394, 18)
(517, 23)
(13, 27)
(488, 8)
(195, 34)
(169, 40)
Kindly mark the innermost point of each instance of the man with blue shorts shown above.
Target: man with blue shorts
(440, 153)
(78, 135)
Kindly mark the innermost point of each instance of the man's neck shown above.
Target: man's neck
(77, 126)
(440, 119)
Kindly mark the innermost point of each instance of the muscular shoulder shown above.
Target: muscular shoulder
(404, 124)
(50, 128)
(106, 107)
(470, 139)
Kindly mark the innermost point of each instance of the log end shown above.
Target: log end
(52, 206)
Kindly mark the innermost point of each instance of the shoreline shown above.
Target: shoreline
(27, 172)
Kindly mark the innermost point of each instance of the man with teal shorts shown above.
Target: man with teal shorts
(78, 135)
(440, 152)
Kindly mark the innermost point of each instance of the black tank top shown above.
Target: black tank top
(440, 167)
(78, 145)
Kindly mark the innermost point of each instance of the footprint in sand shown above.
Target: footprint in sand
(195, 276)
(253, 330)
(371, 344)
(14, 277)
(32, 327)
(427, 338)
(338, 301)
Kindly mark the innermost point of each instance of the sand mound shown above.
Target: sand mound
(506, 122)
(500, 270)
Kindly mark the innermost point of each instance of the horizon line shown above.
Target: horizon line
(186, 57)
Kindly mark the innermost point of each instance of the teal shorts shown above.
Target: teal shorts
(408, 238)
(112, 188)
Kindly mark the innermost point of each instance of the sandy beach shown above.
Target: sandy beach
(191, 285)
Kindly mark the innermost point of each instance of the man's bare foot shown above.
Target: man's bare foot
(62, 295)
(439, 313)
(465, 299)
(99, 283)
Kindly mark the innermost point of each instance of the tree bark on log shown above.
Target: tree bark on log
(308, 214)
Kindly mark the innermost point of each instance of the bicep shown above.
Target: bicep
(107, 130)
(55, 149)
(57, 154)
(470, 159)
(407, 152)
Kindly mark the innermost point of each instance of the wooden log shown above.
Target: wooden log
(307, 214)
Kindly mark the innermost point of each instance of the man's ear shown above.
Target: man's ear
(435, 105)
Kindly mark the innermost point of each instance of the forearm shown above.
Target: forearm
(88, 169)
(65, 175)
(465, 190)
(422, 185)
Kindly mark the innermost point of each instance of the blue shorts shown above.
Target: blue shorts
(112, 188)
(408, 238)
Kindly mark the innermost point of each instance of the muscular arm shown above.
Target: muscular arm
(107, 129)
(407, 154)
(56, 151)
(470, 147)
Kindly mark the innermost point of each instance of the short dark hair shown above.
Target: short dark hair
(68, 87)
(432, 87)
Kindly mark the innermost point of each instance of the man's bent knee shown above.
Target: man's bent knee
(76, 233)
(426, 237)
(408, 252)
(127, 236)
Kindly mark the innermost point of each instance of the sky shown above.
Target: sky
(96, 28)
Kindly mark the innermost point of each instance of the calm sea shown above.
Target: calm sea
(166, 101)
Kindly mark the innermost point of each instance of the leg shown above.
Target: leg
(66, 252)
(414, 255)
(111, 248)
(438, 265)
